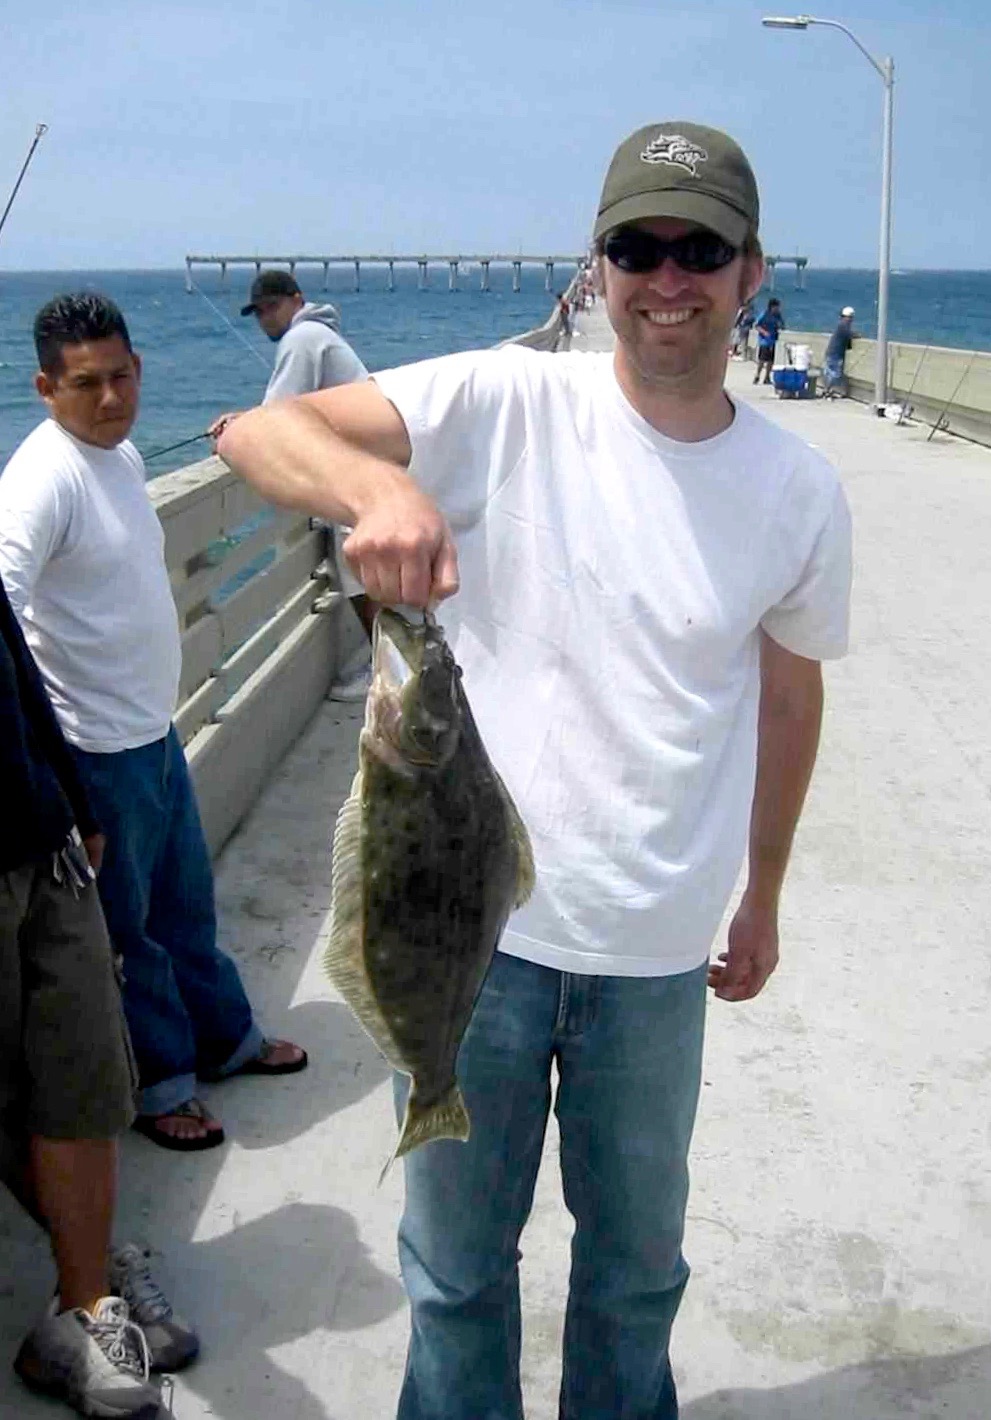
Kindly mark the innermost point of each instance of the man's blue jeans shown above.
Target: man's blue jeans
(628, 1054)
(833, 375)
(186, 1008)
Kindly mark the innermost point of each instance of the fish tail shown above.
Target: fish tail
(446, 1118)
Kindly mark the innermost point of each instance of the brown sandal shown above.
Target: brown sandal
(260, 1064)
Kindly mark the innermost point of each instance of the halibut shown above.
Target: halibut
(430, 858)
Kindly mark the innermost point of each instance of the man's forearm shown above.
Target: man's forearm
(293, 456)
(787, 742)
(343, 454)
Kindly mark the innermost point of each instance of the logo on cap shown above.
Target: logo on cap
(676, 150)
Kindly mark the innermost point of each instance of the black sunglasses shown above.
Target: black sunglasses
(637, 251)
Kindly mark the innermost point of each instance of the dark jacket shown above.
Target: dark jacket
(41, 796)
(840, 340)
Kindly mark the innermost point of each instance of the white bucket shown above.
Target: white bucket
(801, 356)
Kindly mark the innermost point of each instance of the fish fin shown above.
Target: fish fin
(344, 956)
(525, 872)
(446, 1118)
(346, 901)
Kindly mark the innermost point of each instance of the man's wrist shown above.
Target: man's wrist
(762, 897)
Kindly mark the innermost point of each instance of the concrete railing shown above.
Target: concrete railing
(544, 337)
(944, 386)
(264, 630)
(548, 335)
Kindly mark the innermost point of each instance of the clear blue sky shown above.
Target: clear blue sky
(453, 125)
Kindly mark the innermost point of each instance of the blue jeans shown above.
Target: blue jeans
(628, 1054)
(834, 377)
(186, 1008)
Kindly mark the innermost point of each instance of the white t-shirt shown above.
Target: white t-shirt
(613, 583)
(81, 556)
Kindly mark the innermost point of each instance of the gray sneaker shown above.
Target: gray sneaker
(97, 1363)
(172, 1342)
(353, 688)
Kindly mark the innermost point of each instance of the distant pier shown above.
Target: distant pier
(798, 262)
(455, 266)
(422, 262)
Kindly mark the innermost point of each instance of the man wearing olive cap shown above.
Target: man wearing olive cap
(644, 576)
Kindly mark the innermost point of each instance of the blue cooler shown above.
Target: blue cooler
(790, 384)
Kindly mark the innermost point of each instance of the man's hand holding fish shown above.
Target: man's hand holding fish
(346, 460)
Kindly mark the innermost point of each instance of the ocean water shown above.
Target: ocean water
(196, 366)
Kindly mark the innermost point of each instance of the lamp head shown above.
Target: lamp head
(786, 22)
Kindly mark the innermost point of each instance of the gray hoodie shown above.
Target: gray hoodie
(312, 356)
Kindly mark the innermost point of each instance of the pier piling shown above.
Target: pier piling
(799, 262)
(456, 265)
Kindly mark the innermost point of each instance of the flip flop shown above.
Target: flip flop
(147, 1124)
(259, 1064)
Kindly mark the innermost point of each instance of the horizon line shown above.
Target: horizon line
(181, 270)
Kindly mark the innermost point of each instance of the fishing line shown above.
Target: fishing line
(195, 439)
(231, 327)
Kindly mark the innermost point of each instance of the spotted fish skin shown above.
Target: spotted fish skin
(430, 858)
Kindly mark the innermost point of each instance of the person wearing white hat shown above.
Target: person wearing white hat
(834, 375)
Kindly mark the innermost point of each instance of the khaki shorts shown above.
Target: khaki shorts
(66, 1066)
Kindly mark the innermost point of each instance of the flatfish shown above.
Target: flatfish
(430, 858)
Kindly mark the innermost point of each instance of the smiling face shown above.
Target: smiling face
(94, 392)
(672, 326)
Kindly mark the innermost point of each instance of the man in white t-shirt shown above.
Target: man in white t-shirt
(643, 578)
(81, 556)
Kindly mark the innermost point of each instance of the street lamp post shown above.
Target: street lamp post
(886, 69)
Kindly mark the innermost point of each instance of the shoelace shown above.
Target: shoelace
(121, 1340)
(141, 1292)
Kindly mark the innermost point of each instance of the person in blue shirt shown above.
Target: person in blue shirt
(769, 327)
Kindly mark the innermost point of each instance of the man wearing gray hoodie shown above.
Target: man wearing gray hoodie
(311, 355)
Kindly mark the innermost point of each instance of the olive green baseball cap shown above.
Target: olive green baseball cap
(682, 170)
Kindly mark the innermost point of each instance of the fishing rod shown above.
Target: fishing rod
(171, 448)
(39, 133)
(942, 423)
(906, 409)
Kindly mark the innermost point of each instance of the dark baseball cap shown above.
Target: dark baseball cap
(270, 283)
(681, 170)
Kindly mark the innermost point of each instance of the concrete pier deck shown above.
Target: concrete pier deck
(840, 1221)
